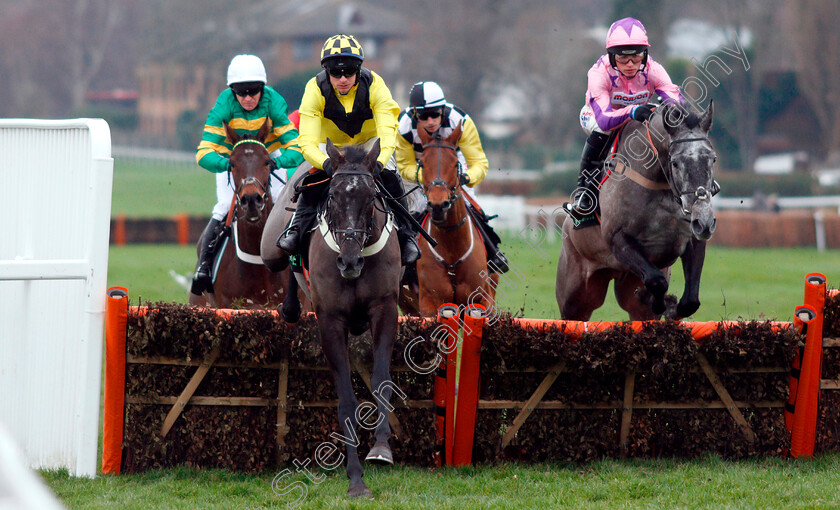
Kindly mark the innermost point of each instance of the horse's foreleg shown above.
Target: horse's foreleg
(630, 253)
(383, 328)
(334, 345)
(692, 262)
(290, 310)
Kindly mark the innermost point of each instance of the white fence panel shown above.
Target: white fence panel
(55, 199)
(509, 208)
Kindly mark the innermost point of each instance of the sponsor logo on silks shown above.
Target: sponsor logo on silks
(585, 116)
(624, 99)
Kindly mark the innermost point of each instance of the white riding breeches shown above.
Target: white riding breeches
(587, 120)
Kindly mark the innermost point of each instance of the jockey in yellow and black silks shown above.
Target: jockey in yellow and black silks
(350, 105)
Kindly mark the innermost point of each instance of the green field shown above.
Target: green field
(737, 283)
(159, 190)
(707, 483)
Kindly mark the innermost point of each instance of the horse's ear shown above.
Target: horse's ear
(706, 119)
(453, 137)
(265, 129)
(373, 154)
(230, 133)
(672, 117)
(425, 136)
(332, 151)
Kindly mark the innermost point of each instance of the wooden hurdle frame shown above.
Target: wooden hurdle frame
(459, 433)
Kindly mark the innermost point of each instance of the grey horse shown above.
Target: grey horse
(655, 207)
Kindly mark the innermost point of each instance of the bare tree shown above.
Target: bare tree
(815, 39)
(54, 50)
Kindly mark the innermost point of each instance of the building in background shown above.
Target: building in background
(177, 87)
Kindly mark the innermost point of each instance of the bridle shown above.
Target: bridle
(263, 188)
(701, 193)
(359, 235)
(454, 190)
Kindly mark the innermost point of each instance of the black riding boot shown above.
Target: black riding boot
(406, 233)
(497, 262)
(302, 221)
(202, 280)
(586, 194)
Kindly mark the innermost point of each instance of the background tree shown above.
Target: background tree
(814, 39)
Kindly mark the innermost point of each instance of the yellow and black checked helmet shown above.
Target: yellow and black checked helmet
(342, 45)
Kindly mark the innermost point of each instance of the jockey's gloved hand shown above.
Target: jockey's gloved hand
(643, 112)
(327, 166)
(464, 179)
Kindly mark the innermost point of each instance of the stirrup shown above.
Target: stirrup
(201, 282)
(499, 263)
(286, 235)
(409, 252)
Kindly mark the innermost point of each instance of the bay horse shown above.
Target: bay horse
(241, 279)
(450, 272)
(655, 207)
(354, 274)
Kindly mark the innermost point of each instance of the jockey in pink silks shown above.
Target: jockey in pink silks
(622, 85)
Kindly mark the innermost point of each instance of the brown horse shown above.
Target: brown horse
(354, 273)
(241, 279)
(452, 271)
(655, 208)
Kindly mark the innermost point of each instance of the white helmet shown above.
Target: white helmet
(245, 68)
(426, 94)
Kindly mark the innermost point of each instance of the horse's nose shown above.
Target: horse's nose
(254, 204)
(350, 267)
(439, 211)
(703, 230)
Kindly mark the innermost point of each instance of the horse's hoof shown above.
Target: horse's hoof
(359, 491)
(380, 454)
(687, 309)
(290, 316)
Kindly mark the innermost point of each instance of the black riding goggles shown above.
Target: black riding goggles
(247, 89)
(428, 113)
(338, 72)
